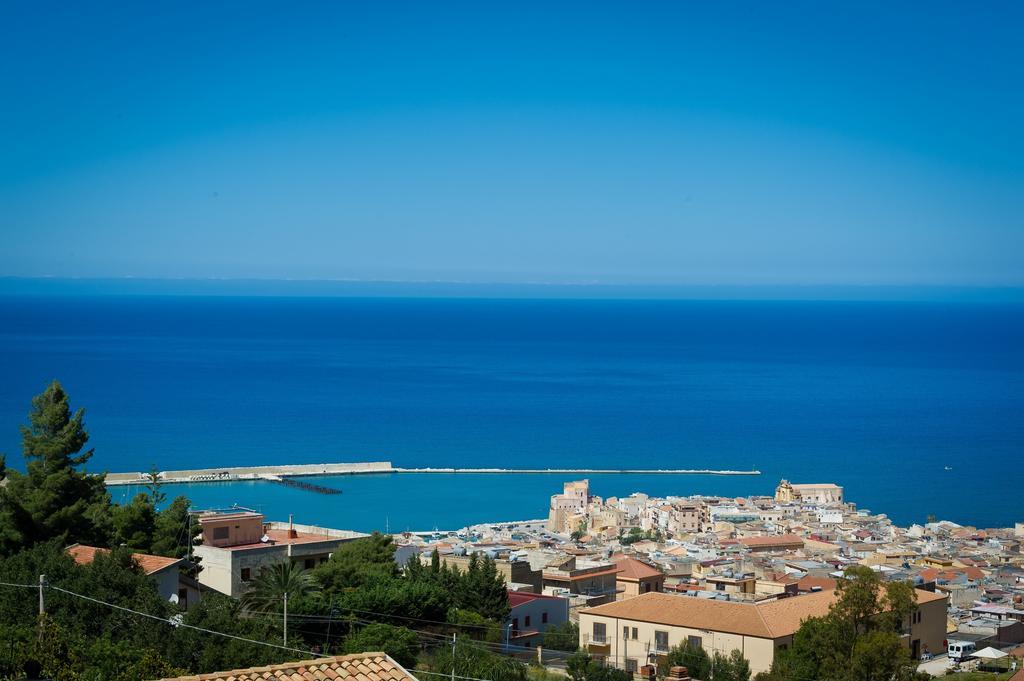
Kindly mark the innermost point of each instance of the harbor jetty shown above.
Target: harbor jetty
(284, 472)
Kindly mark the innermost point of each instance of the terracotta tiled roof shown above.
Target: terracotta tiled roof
(767, 619)
(633, 570)
(779, 540)
(724, 616)
(359, 667)
(83, 555)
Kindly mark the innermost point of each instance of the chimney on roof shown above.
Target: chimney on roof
(678, 674)
(291, 527)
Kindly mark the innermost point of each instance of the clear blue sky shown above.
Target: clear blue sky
(694, 143)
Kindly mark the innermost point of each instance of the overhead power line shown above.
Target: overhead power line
(183, 625)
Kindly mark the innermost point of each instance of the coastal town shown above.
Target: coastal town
(638, 576)
(802, 584)
(641, 574)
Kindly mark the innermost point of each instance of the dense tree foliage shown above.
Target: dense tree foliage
(582, 667)
(85, 639)
(563, 637)
(731, 667)
(171, 530)
(358, 563)
(473, 659)
(694, 658)
(400, 643)
(858, 640)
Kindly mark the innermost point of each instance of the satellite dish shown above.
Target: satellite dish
(265, 538)
(173, 599)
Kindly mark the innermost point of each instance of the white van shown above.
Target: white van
(960, 650)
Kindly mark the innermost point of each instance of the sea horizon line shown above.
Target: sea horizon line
(11, 286)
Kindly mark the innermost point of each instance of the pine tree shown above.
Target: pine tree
(135, 523)
(56, 498)
(170, 535)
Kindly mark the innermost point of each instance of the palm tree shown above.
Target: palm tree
(276, 582)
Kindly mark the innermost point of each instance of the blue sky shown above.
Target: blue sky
(679, 143)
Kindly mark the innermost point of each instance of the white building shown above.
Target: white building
(171, 584)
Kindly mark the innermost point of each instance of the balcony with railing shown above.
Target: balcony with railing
(597, 642)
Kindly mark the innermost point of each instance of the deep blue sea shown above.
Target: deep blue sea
(878, 397)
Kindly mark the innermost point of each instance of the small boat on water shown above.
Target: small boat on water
(949, 468)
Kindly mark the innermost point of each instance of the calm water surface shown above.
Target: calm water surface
(878, 397)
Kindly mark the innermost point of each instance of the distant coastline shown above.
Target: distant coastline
(270, 473)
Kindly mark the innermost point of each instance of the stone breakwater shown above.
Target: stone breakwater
(233, 473)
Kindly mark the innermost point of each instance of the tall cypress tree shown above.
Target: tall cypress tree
(56, 498)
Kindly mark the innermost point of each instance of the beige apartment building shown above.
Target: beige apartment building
(642, 630)
(236, 546)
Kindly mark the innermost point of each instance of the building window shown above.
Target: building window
(221, 532)
(526, 621)
(543, 618)
(310, 563)
(625, 632)
(631, 665)
(661, 641)
(246, 574)
(635, 634)
(600, 633)
(695, 641)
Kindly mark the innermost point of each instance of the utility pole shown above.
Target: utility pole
(286, 618)
(453, 656)
(42, 605)
(327, 640)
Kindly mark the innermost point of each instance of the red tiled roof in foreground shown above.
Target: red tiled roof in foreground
(83, 555)
(358, 667)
